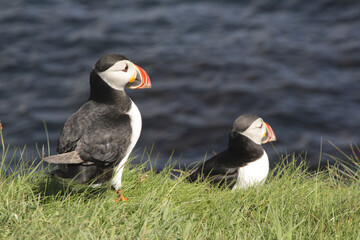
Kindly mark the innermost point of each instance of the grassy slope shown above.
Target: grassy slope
(293, 204)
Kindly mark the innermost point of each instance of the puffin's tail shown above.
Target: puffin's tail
(72, 166)
(64, 158)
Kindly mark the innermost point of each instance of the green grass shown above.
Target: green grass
(292, 204)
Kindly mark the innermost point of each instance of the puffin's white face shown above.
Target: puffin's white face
(259, 132)
(120, 74)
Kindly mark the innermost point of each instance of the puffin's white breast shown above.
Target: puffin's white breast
(136, 124)
(253, 173)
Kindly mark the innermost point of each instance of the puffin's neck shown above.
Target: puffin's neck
(243, 147)
(101, 92)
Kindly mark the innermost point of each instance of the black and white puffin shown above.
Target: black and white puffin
(244, 162)
(97, 140)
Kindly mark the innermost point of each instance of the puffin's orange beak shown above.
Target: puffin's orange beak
(269, 135)
(142, 79)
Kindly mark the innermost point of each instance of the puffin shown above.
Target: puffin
(244, 162)
(96, 140)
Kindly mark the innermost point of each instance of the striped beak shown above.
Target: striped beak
(141, 80)
(269, 134)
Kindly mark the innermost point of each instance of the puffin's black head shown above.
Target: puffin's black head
(119, 72)
(254, 128)
(107, 61)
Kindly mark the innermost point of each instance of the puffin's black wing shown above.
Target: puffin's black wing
(222, 168)
(108, 143)
(74, 128)
(97, 133)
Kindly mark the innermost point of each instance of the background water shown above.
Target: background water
(295, 63)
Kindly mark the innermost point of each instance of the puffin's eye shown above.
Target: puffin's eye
(126, 68)
(261, 125)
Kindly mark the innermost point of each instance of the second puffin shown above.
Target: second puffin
(97, 140)
(245, 162)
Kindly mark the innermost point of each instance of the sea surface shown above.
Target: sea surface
(294, 63)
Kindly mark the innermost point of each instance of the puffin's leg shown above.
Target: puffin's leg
(120, 196)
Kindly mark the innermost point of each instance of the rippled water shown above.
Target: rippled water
(295, 63)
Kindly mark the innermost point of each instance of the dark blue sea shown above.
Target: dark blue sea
(295, 63)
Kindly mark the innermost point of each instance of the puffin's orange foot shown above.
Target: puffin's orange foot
(120, 197)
